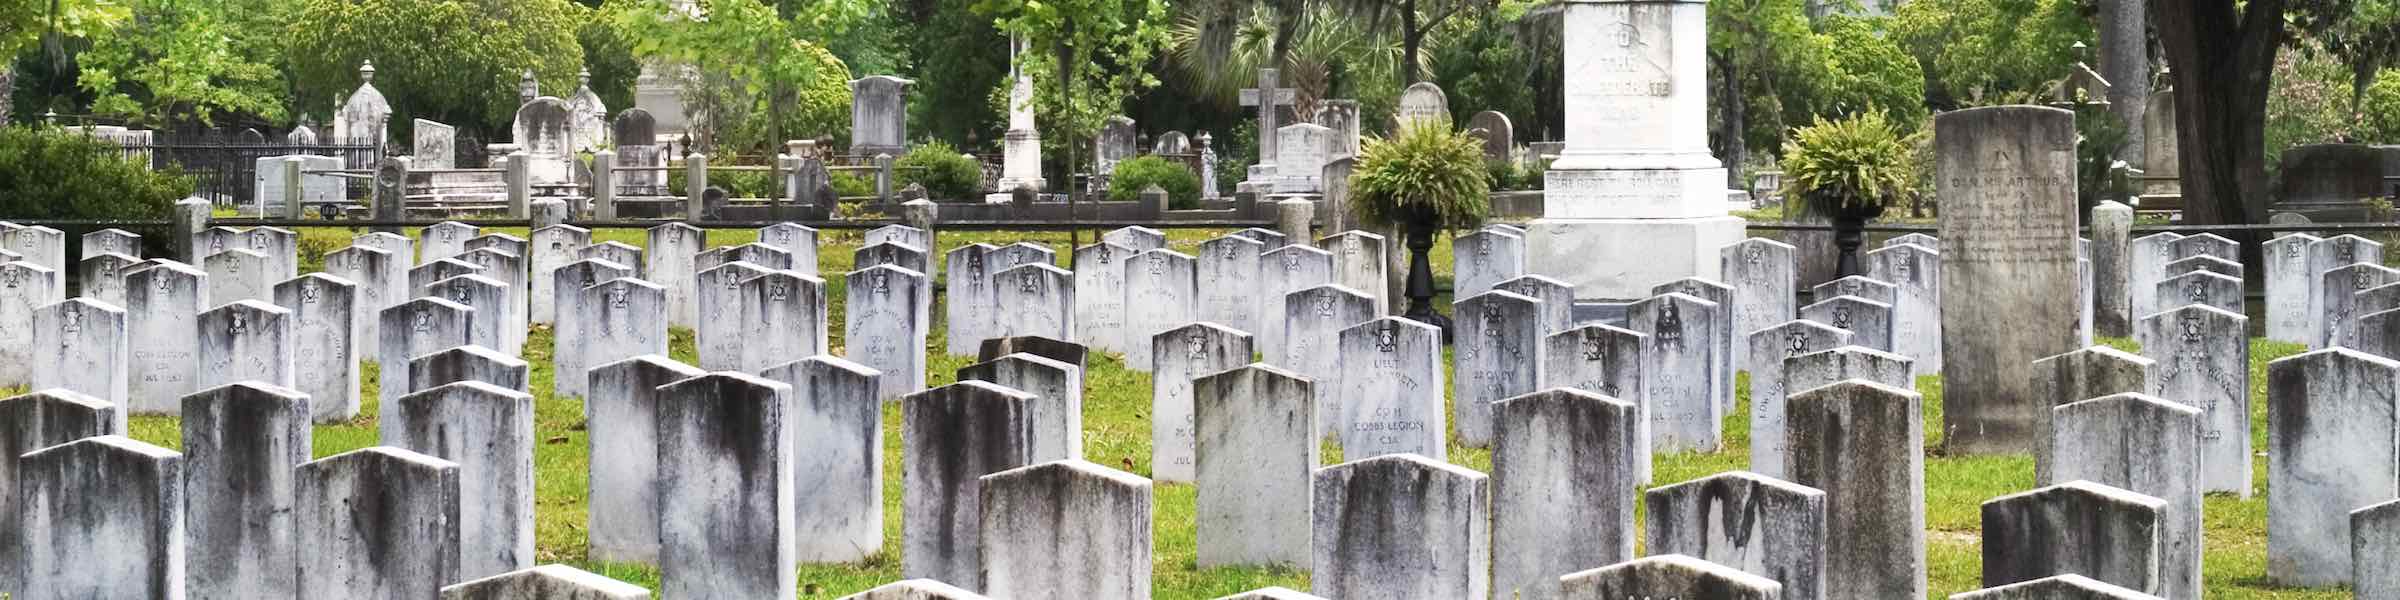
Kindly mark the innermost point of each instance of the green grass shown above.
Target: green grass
(1116, 434)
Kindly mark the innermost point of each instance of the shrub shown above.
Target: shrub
(945, 173)
(1132, 176)
(1430, 172)
(1857, 164)
(847, 184)
(53, 174)
(737, 184)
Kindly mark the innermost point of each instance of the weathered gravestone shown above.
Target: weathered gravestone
(104, 276)
(2201, 359)
(1862, 443)
(1765, 285)
(783, 315)
(886, 326)
(2059, 587)
(1115, 144)
(465, 363)
(1056, 410)
(415, 328)
(488, 431)
(40, 420)
(1281, 271)
(2328, 453)
(102, 517)
(81, 345)
(2007, 185)
(620, 253)
(324, 323)
(1870, 323)
(379, 282)
(1390, 377)
(800, 241)
(1558, 299)
(380, 522)
(1678, 375)
(428, 273)
(1229, 264)
(1100, 295)
(2078, 527)
(543, 583)
(725, 449)
(2374, 539)
(552, 247)
(2336, 297)
(1485, 258)
(2111, 267)
(1137, 238)
(163, 302)
(620, 318)
(1761, 525)
(1065, 529)
(2196, 264)
(1358, 262)
(951, 436)
(40, 245)
(899, 255)
(2288, 281)
(2326, 255)
(1915, 273)
(443, 240)
(1771, 348)
(1272, 238)
(916, 589)
(1668, 576)
(1858, 285)
(1422, 105)
(246, 341)
(1256, 446)
(1036, 300)
(622, 404)
(1314, 319)
(2081, 375)
(1499, 135)
(912, 237)
(722, 335)
(968, 309)
(670, 253)
(241, 443)
(1300, 153)
(1161, 293)
(1401, 526)
(238, 274)
(112, 241)
(837, 441)
(2201, 288)
(879, 115)
(1607, 361)
(1499, 342)
(1562, 469)
(567, 358)
(1180, 356)
(2143, 445)
(490, 298)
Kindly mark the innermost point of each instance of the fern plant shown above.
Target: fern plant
(1427, 175)
(1854, 167)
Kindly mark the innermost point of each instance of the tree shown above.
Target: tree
(1754, 46)
(1972, 50)
(755, 79)
(2222, 54)
(24, 23)
(1099, 54)
(189, 61)
(455, 61)
(1416, 21)
(1483, 65)
(961, 59)
(2367, 41)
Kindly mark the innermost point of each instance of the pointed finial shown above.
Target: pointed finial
(366, 71)
(585, 77)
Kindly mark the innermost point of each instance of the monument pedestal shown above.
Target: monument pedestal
(1020, 165)
(1621, 259)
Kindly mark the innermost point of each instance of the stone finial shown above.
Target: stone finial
(528, 87)
(366, 71)
(584, 78)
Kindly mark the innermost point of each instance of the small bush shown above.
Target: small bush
(1429, 172)
(850, 185)
(945, 173)
(1132, 176)
(54, 174)
(737, 184)
(1843, 166)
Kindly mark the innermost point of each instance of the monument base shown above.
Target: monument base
(1621, 259)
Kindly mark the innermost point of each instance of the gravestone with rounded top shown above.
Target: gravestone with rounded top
(1679, 377)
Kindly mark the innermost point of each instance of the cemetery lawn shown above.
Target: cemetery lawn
(1116, 434)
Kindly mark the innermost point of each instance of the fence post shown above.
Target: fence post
(391, 192)
(604, 185)
(294, 202)
(1293, 216)
(883, 178)
(695, 186)
(520, 184)
(191, 218)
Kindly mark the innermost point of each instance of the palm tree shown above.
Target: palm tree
(1216, 54)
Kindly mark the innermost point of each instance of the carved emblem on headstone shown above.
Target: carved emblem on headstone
(1594, 349)
(1483, 251)
(2342, 249)
(424, 320)
(617, 296)
(72, 318)
(2192, 326)
(1158, 264)
(1195, 347)
(309, 291)
(880, 282)
(778, 291)
(240, 324)
(1670, 323)
(1387, 338)
(1029, 281)
(1841, 316)
(1324, 304)
(1795, 343)
(1754, 254)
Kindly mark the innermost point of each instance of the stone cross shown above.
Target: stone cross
(1269, 98)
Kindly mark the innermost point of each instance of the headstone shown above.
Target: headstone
(1226, 260)
(2060, 587)
(1679, 378)
(1313, 320)
(1761, 525)
(102, 517)
(1869, 322)
(2208, 244)
(464, 363)
(1765, 284)
(1100, 295)
(899, 255)
(1607, 361)
(1180, 356)
(2007, 186)
(40, 420)
(1401, 526)
(1499, 135)
(1066, 529)
(2202, 263)
(1115, 144)
(1771, 348)
(1135, 237)
(1390, 382)
(618, 319)
(1273, 593)
(721, 335)
(1915, 273)
(1173, 143)
(1562, 472)
(415, 328)
(2329, 441)
(81, 345)
(163, 302)
(241, 443)
(380, 279)
(1036, 300)
(2326, 255)
(1499, 356)
(2201, 288)
(1858, 285)
(2202, 359)
(1300, 153)
(490, 299)
(837, 438)
(1485, 258)
(553, 247)
(103, 276)
(364, 114)
(40, 245)
(1272, 238)
(488, 431)
(24, 289)
(1558, 299)
(622, 404)
(886, 326)
(436, 145)
(1256, 447)
(245, 341)
(1161, 293)
(916, 589)
(112, 241)
(1422, 104)
(618, 252)
(239, 274)
(1863, 444)
(2336, 297)
(2143, 445)
(545, 128)
(543, 583)
(2112, 247)
(2374, 300)
(967, 298)
(443, 240)
(425, 274)
(950, 437)
(2081, 375)
(799, 240)
(1358, 262)
(381, 522)
(2374, 539)
(324, 317)
(912, 237)
(783, 314)
(1341, 116)
(1668, 576)
(1281, 271)
(2078, 527)
(566, 357)
(726, 449)
(670, 264)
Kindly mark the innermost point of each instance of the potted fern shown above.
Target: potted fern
(1422, 180)
(1848, 171)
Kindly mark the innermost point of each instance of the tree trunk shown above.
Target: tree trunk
(8, 91)
(1736, 112)
(2223, 60)
(1411, 41)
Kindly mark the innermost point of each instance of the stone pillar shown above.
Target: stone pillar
(391, 193)
(293, 205)
(1154, 200)
(1635, 198)
(695, 186)
(920, 214)
(191, 218)
(520, 183)
(1292, 217)
(1022, 146)
(883, 178)
(604, 185)
(548, 212)
(2125, 62)
(2112, 239)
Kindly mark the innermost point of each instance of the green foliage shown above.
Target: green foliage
(851, 185)
(1848, 165)
(945, 173)
(1482, 65)
(737, 184)
(2099, 134)
(455, 61)
(2308, 104)
(1865, 71)
(1772, 59)
(759, 81)
(958, 63)
(1509, 175)
(2379, 109)
(608, 54)
(53, 174)
(1132, 176)
(1430, 171)
(1087, 55)
(183, 61)
(1974, 50)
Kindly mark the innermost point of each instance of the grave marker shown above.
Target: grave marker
(670, 253)
(1281, 271)
(163, 302)
(886, 326)
(544, 582)
(1228, 263)
(1765, 284)
(1484, 258)
(1668, 576)
(2329, 444)
(2145, 445)
(2288, 281)
(1772, 349)
(1862, 443)
(1390, 379)
(1358, 262)
(2007, 264)
(721, 334)
(2078, 527)
(725, 449)
(566, 358)
(488, 431)
(1915, 273)
(1499, 356)
(1036, 300)
(381, 522)
(324, 321)
(784, 314)
(1180, 356)
(969, 309)
(2201, 288)
(1065, 529)
(1161, 293)
(1100, 295)
(1606, 361)
(1256, 448)
(553, 247)
(2202, 359)
(240, 274)
(1562, 472)
(837, 446)
(1678, 376)
(951, 436)
(81, 345)
(241, 443)
(34, 421)
(1761, 525)
(2093, 372)
(246, 341)
(1870, 323)
(621, 410)
(102, 518)
(1401, 526)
